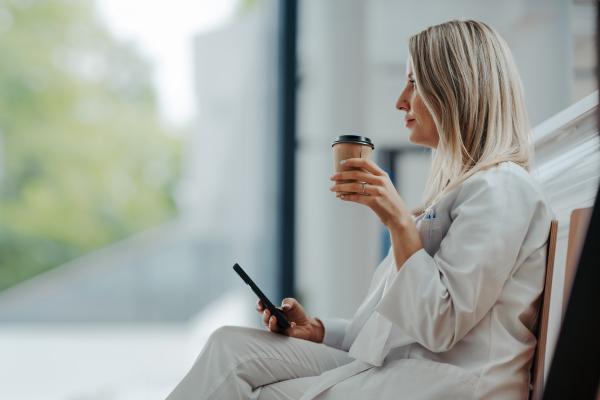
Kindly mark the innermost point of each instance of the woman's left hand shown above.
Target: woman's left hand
(378, 192)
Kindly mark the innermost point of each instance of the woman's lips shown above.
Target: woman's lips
(408, 121)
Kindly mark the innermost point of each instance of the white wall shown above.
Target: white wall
(336, 241)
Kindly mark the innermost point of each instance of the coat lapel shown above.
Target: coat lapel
(373, 343)
(370, 343)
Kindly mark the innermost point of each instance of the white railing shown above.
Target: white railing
(567, 164)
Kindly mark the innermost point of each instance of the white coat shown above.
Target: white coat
(456, 321)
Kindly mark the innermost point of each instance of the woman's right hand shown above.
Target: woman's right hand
(302, 325)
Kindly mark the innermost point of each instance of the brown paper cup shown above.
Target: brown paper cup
(344, 151)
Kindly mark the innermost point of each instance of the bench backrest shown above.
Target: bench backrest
(539, 357)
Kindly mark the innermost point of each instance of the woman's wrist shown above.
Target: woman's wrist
(318, 329)
(405, 241)
(400, 225)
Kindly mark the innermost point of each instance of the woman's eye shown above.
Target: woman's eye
(413, 84)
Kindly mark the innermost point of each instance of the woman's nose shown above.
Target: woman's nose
(402, 104)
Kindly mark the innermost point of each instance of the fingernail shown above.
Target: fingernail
(332, 176)
(285, 305)
(342, 196)
(343, 162)
(271, 319)
(332, 187)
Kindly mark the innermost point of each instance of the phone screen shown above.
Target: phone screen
(276, 312)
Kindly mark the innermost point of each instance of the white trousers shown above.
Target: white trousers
(246, 363)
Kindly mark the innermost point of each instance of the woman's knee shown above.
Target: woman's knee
(227, 335)
(223, 334)
(229, 343)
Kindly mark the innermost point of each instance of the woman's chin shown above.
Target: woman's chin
(419, 141)
(415, 139)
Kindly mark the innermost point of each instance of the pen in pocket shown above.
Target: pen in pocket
(430, 215)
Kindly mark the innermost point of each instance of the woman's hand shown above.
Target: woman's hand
(302, 325)
(381, 196)
(379, 191)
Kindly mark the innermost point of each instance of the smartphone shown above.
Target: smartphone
(276, 312)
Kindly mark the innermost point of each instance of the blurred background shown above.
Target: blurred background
(147, 146)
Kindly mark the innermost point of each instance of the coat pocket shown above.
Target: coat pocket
(430, 231)
(410, 379)
(447, 370)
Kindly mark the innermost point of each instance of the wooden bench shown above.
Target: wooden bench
(577, 232)
(537, 368)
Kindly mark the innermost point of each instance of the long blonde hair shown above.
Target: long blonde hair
(468, 80)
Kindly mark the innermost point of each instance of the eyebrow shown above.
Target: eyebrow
(410, 76)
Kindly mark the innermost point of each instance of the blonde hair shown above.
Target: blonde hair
(468, 80)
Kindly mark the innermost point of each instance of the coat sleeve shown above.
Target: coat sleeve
(335, 330)
(438, 300)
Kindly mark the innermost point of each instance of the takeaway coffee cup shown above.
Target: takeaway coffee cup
(350, 146)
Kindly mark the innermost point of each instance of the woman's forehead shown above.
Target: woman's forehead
(409, 67)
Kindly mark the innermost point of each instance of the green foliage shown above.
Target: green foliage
(85, 158)
(245, 6)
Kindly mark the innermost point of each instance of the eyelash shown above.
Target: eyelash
(414, 85)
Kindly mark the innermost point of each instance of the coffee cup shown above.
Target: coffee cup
(350, 146)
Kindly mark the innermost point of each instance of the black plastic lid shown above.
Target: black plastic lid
(354, 139)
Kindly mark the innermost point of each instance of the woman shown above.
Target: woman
(451, 309)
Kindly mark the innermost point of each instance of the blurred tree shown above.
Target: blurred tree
(85, 158)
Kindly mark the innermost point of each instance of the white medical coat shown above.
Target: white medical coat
(456, 321)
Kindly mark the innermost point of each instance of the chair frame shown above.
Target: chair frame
(539, 358)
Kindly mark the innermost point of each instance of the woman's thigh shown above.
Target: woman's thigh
(406, 379)
(292, 389)
(237, 361)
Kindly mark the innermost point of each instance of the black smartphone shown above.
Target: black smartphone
(276, 312)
